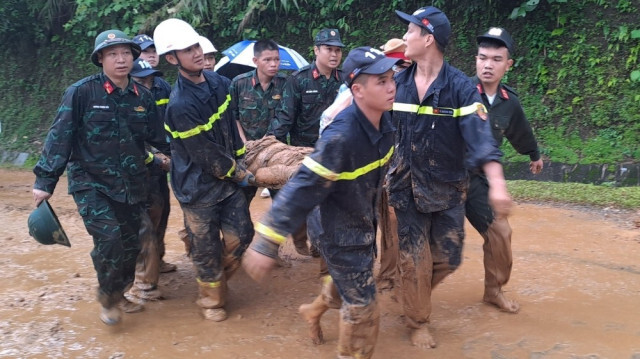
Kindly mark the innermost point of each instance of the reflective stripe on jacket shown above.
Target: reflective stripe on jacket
(343, 176)
(437, 139)
(204, 140)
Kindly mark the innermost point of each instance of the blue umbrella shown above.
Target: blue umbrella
(241, 55)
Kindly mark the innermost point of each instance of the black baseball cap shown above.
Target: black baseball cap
(144, 41)
(329, 37)
(366, 60)
(500, 35)
(432, 19)
(142, 68)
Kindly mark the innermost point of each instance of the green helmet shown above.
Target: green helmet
(110, 38)
(45, 227)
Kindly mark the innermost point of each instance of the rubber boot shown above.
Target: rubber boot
(358, 331)
(211, 298)
(312, 312)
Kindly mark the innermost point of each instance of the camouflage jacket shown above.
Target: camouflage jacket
(306, 94)
(99, 135)
(252, 106)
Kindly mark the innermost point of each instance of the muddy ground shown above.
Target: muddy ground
(576, 275)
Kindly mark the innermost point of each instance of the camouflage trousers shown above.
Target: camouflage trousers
(114, 227)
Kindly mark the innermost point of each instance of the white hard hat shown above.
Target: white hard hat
(174, 34)
(207, 46)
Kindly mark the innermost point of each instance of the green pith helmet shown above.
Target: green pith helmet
(45, 227)
(110, 38)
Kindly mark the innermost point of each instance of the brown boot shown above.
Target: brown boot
(211, 298)
(358, 331)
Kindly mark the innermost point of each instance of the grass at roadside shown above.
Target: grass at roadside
(576, 193)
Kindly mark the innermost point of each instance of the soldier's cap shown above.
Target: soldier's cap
(433, 20)
(499, 35)
(142, 68)
(144, 41)
(329, 37)
(366, 60)
(111, 38)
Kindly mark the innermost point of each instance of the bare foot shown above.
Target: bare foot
(422, 338)
(312, 313)
(500, 301)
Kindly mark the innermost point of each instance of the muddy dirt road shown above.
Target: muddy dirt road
(576, 275)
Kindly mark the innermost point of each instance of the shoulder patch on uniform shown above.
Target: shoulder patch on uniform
(139, 109)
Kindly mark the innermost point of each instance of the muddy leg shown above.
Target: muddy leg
(359, 327)
(312, 312)
(497, 265)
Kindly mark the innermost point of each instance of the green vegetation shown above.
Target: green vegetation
(576, 70)
(576, 193)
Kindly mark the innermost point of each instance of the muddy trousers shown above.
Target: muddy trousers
(152, 230)
(387, 276)
(148, 261)
(351, 271)
(114, 227)
(430, 248)
(216, 260)
(496, 233)
(159, 208)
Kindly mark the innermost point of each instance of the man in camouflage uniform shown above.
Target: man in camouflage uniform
(310, 91)
(256, 94)
(307, 93)
(99, 135)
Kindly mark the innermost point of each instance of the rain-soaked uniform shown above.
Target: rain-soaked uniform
(99, 135)
(206, 168)
(437, 139)
(307, 93)
(343, 177)
(507, 120)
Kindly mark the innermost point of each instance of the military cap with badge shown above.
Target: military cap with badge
(330, 37)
